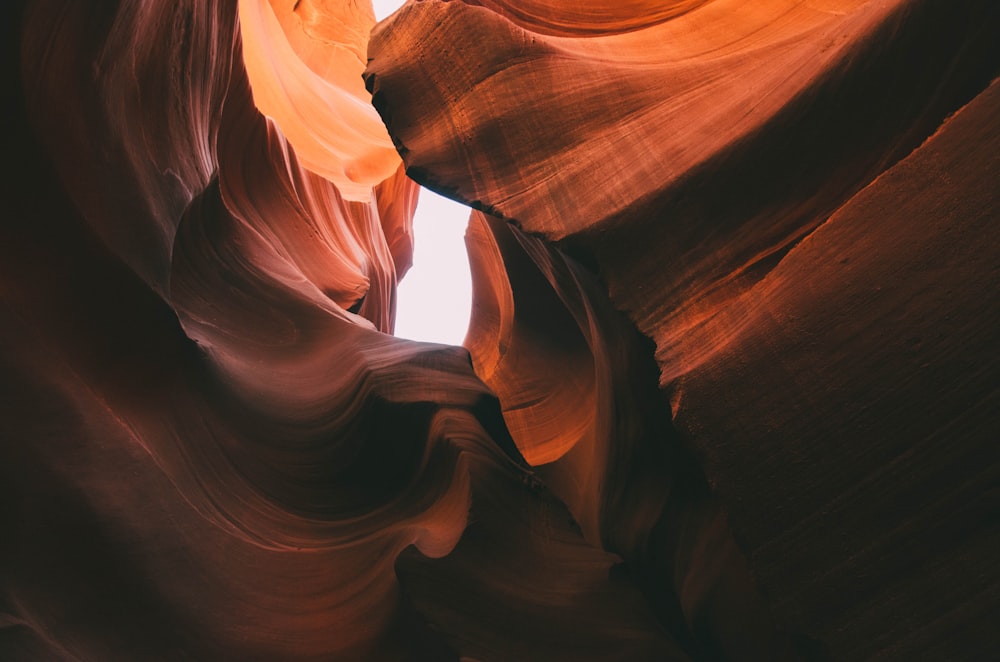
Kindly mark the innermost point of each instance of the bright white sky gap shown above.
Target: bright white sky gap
(385, 7)
(434, 299)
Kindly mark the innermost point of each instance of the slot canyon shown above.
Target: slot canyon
(730, 388)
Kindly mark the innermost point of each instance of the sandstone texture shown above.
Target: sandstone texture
(731, 388)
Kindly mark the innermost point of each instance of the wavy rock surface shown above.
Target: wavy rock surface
(599, 433)
(304, 59)
(794, 200)
(211, 448)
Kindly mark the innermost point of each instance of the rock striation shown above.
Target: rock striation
(794, 201)
(211, 447)
(730, 387)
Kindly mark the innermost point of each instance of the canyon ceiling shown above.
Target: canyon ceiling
(731, 388)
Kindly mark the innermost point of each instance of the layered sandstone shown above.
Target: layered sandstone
(795, 201)
(730, 387)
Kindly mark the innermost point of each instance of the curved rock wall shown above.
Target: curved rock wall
(211, 448)
(730, 387)
(795, 201)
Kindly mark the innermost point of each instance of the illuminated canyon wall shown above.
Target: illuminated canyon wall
(730, 389)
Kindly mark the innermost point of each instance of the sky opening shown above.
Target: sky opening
(385, 7)
(434, 299)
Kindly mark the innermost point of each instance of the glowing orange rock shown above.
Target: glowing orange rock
(304, 61)
(211, 448)
(722, 136)
(790, 199)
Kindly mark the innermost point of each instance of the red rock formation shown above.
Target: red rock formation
(210, 447)
(304, 59)
(759, 189)
(598, 431)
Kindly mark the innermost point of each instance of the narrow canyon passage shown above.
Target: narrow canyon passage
(728, 387)
(434, 299)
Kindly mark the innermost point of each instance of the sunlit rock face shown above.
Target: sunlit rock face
(796, 202)
(304, 59)
(598, 431)
(211, 448)
(731, 382)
